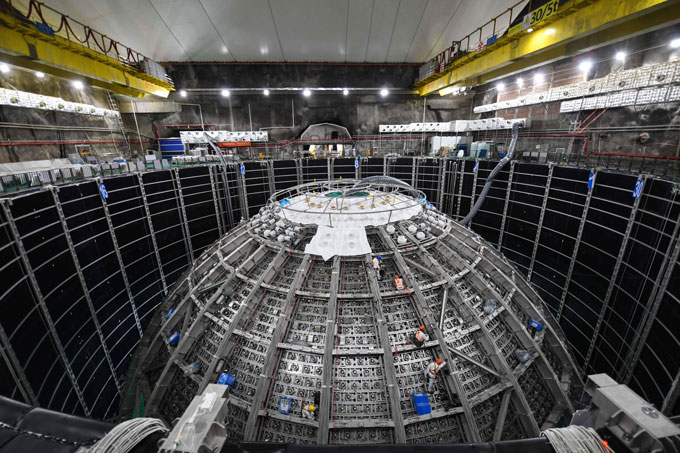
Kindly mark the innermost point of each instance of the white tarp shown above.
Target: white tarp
(342, 241)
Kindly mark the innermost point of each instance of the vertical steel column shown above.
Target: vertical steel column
(579, 234)
(329, 167)
(385, 166)
(441, 183)
(357, 170)
(216, 200)
(415, 171)
(473, 194)
(270, 177)
(40, 301)
(245, 210)
(460, 189)
(298, 171)
(388, 357)
(452, 186)
(546, 194)
(123, 272)
(83, 284)
(327, 379)
(668, 267)
(183, 215)
(612, 281)
(152, 233)
(505, 206)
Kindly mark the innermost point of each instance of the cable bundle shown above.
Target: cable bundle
(127, 435)
(575, 439)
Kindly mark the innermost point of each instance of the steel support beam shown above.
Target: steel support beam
(123, 271)
(452, 380)
(668, 267)
(460, 189)
(183, 214)
(612, 281)
(331, 332)
(86, 293)
(16, 370)
(388, 357)
(577, 245)
(672, 397)
(519, 329)
(271, 361)
(152, 233)
(270, 177)
(442, 183)
(505, 206)
(42, 307)
(216, 200)
(502, 414)
(298, 172)
(546, 194)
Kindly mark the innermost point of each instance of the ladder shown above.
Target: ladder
(113, 105)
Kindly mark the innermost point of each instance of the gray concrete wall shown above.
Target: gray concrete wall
(18, 124)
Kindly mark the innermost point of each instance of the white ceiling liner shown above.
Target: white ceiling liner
(285, 30)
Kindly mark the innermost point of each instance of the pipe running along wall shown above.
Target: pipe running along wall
(496, 170)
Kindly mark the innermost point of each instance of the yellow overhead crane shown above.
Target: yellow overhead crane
(575, 27)
(28, 39)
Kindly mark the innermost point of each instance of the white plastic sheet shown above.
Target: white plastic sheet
(342, 241)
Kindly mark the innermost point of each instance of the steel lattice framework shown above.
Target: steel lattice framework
(287, 323)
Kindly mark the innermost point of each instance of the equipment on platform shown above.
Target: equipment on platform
(634, 422)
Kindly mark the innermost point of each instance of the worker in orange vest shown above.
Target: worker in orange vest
(399, 283)
(419, 338)
(432, 373)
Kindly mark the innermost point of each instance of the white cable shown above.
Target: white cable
(127, 435)
(575, 439)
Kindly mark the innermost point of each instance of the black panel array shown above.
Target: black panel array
(604, 262)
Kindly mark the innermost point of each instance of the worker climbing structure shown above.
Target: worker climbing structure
(287, 309)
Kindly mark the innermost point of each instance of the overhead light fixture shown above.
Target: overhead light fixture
(538, 78)
(550, 31)
(183, 93)
(4, 68)
(620, 56)
(500, 86)
(266, 92)
(77, 84)
(306, 92)
(384, 92)
(520, 82)
(585, 66)
(225, 93)
(529, 30)
(40, 75)
(675, 43)
(345, 91)
(224, 49)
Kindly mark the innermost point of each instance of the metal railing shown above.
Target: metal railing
(494, 27)
(52, 22)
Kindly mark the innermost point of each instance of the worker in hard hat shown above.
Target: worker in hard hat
(432, 373)
(419, 338)
(377, 266)
(308, 411)
(399, 283)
